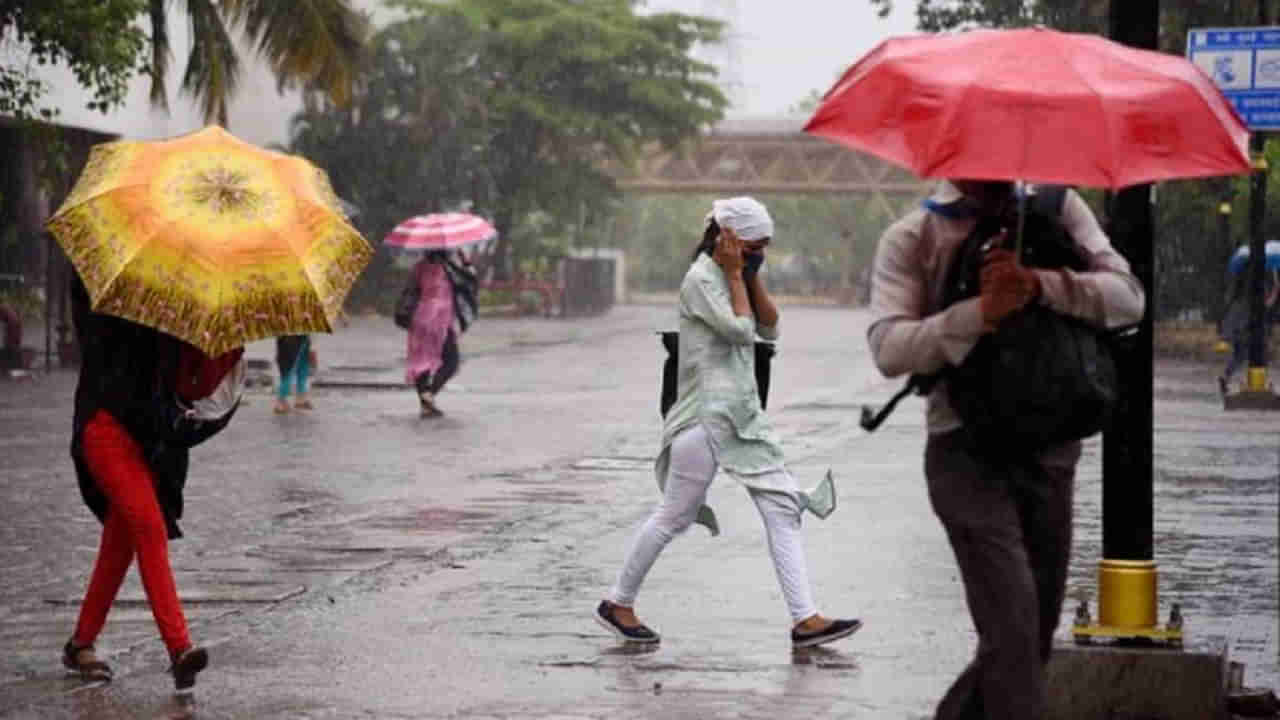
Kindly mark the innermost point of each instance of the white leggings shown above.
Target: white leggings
(692, 467)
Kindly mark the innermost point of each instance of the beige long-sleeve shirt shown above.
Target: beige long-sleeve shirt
(911, 333)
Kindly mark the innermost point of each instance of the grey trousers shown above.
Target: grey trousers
(1009, 524)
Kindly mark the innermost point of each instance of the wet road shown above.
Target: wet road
(359, 562)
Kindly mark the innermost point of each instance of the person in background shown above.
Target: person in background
(446, 308)
(142, 400)
(293, 358)
(1235, 323)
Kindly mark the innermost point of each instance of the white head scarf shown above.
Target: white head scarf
(745, 216)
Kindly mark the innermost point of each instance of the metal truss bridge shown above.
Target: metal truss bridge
(770, 155)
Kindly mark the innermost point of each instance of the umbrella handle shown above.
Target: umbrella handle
(1022, 222)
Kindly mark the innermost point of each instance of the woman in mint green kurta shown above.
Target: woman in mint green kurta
(716, 422)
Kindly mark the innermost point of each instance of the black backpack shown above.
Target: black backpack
(764, 352)
(406, 305)
(1041, 378)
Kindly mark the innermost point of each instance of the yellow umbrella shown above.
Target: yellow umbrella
(210, 239)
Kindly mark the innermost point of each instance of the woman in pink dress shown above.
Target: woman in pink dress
(442, 314)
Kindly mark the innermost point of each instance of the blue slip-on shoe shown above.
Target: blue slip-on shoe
(836, 630)
(638, 634)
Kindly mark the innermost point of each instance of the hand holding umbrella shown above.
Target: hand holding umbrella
(1006, 285)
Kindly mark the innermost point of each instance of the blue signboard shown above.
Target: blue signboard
(1245, 63)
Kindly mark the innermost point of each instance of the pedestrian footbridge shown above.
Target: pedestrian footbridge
(768, 155)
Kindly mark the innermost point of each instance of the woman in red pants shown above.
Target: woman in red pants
(142, 400)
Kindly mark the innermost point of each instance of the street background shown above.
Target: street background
(357, 561)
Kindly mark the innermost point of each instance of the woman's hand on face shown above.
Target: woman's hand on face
(728, 252)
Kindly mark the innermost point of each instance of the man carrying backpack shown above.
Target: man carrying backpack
(1007, 514)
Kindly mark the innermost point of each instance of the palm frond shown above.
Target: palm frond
(213, 68)
(159, 53)
(318, 43)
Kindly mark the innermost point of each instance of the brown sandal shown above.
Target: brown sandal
(83, 661)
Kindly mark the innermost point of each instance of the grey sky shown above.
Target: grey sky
(785, 48)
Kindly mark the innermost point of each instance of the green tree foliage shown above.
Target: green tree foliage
(510, 107)
(311, 43)
(572, 84)
(939, 15)
(807, 104)
(57, 31)
(101, 46)
(1176, 16)
(823, 245)
(411, 141)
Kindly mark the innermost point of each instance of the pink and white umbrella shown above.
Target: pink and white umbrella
(440, 231)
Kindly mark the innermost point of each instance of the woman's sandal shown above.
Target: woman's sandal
(84, 662)
(427, 405)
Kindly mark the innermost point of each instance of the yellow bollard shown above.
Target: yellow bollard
(1127, 594)
(1257, 380)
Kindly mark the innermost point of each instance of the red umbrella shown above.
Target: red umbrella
(440, 231)
(1034, 105)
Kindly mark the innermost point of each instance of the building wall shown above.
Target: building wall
(258, 112)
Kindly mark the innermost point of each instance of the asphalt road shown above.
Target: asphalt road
(357, 561)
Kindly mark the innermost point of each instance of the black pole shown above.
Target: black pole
(48, 302)
(1224, 238)
(1127, 480)
(1257, 255)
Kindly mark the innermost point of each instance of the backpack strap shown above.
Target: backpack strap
(1047, 200)
(873, 418)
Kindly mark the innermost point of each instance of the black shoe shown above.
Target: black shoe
(638, 634)
(85, 663)
(186, 666)
(1222, 384)
(836, 630)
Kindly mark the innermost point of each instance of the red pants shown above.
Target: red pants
(134, 525)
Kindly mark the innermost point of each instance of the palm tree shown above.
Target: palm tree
(315, 43)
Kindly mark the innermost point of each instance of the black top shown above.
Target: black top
(124, 369)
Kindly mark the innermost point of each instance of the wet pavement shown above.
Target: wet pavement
(357, 561)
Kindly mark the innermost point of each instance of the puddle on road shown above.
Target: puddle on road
(311, 558)
(615, 463)
(213, 593)
(433, 519)
(1216, 493)
(843, 407)
(548, 495)
(305, 496)
(823, 658)
(602, 663)
(364, 368)
(605, 663)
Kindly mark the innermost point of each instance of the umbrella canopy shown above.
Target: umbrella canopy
(440, 231)
(1240, 258)
(210, 239)
(1036, 105)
